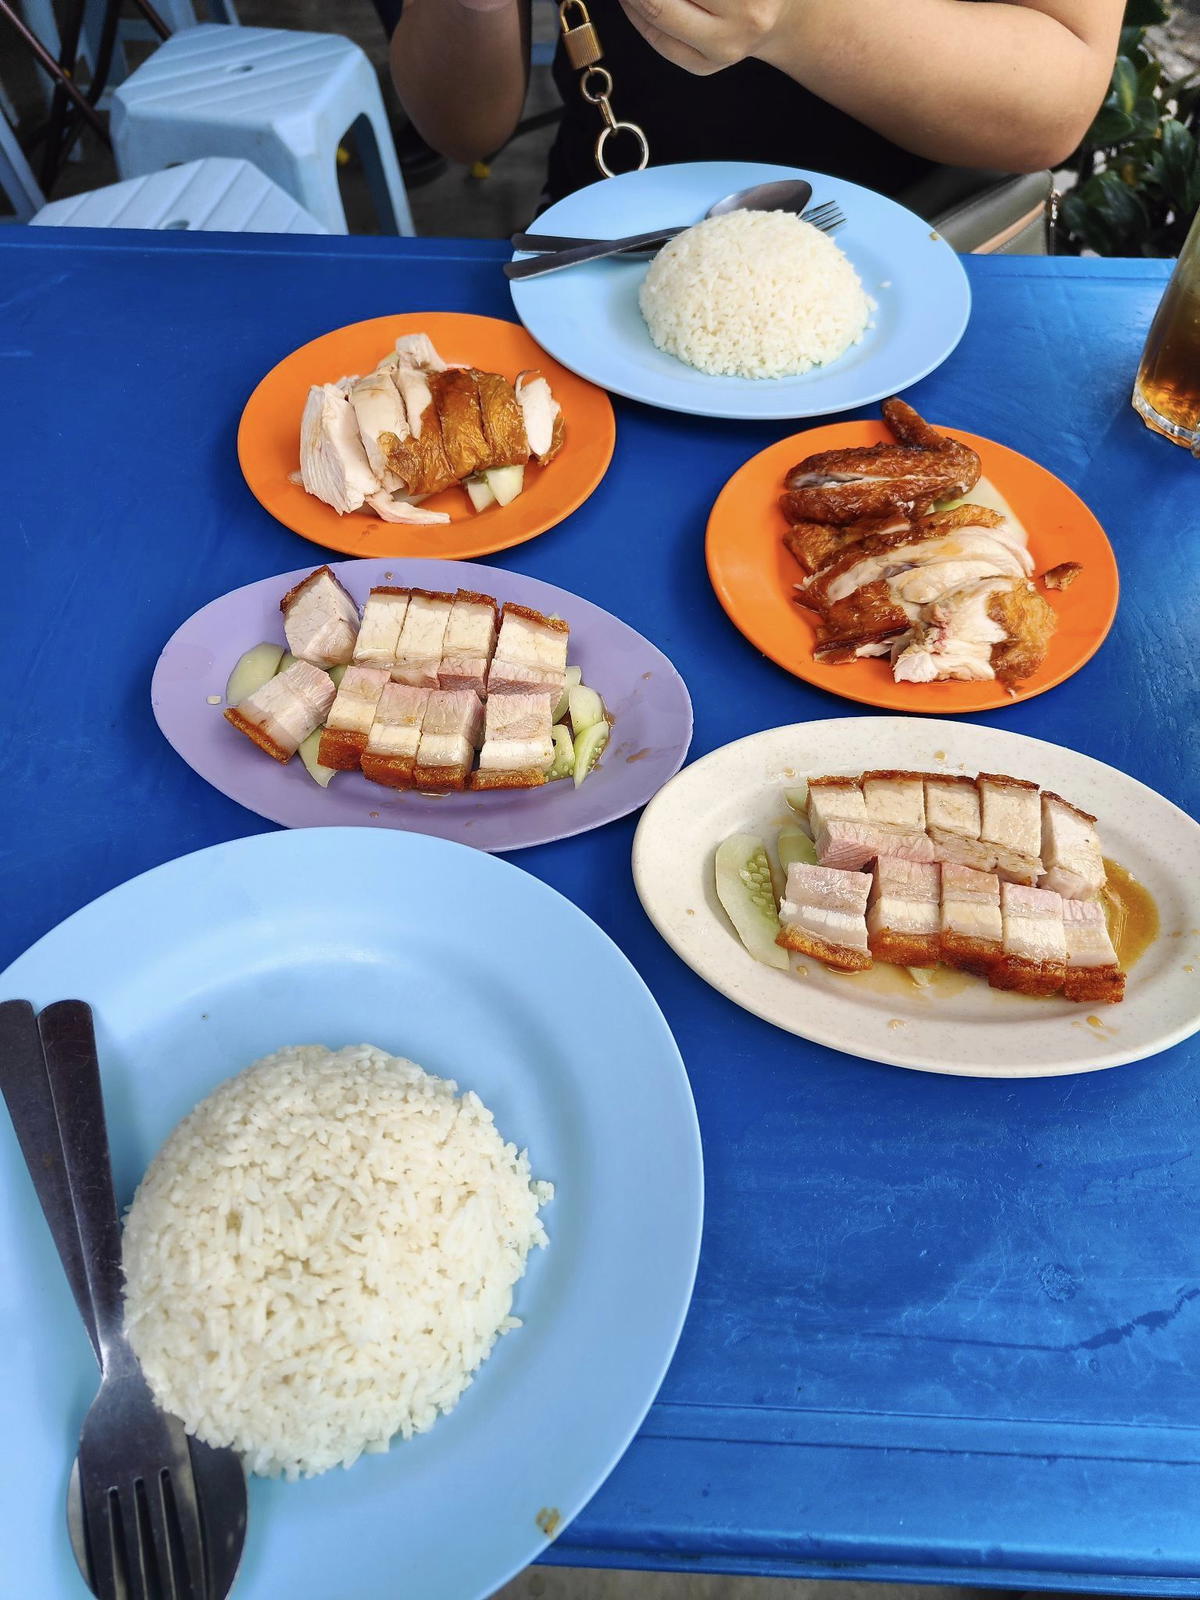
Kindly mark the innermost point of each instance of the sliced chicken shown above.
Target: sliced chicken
(469, 641)
(351, 717)
(503, 420)
(450, 735)
(531, 653)
(518, 745)
(866, 620)
(418, 460)
(896, 799)
(823, 915)
(1034, 960)
(904, 918)
(333, 461)
(391, 754)
(956, 639)
(1093, 973)
(972, 930)
(415, 352)
(419, 647)
(320, 620)
(542, 416)
(1029, 621)
(398, 508)
(379, 632)
(952, 820)
(1010, 812)
(378, 409)
(456, 399)
(288, 707)
(1070, 850)
(817, 545)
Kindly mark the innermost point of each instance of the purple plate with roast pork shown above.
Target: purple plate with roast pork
(464, 690)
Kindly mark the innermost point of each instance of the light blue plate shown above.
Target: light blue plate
(588, 317)
(479, 972)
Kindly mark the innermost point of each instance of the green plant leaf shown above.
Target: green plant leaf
(1125, 83)
(1111, 126)
(1144, 13)
(1145, 117)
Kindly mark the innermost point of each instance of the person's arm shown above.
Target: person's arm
(461, 68)
(1006, 86)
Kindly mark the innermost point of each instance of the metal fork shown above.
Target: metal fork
(146, 1533)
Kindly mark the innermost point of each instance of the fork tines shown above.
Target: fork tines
(827, 217)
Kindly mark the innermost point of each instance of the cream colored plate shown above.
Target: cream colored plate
(959, 1025)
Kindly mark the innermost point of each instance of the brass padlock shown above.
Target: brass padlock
(580, 41)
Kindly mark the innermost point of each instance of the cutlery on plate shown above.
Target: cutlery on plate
(827, 217)
(791, 194)
(144, 1525)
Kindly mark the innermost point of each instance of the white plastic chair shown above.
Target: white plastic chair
(215, 195)
(285, 99)
(17, 181)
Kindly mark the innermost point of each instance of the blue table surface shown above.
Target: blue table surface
(943, 1328)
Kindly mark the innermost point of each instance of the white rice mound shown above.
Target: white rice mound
(754, 294)
(322, 1254)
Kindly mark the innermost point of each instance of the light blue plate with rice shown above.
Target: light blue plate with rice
(588, 317)
(481, 973)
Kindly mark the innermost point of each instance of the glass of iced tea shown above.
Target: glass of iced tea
(1167, 391)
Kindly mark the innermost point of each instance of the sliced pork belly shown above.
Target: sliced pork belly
(456, 397)
(282, 714)
(1070, 850)
(351, 717)
(450, 734)
(952, 821)
(320, 620)
(1093, 973)
(531, 653)
(895, 798)
(503, 420)
(391, 753)
(844, 834)
(468, 643)
(904, 918)
(379, 632)
(419, 647)
(518, 745)
(823, 915)
(333, 461)
(378, 409)
(1011, 824)
(972, 931)
(1034, 960)
(542, 416)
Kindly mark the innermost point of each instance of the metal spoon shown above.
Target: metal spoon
(787, 194)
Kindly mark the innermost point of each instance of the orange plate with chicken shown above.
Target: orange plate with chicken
(428, 434)
(910, 567)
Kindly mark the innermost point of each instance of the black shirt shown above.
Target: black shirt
(748, 112)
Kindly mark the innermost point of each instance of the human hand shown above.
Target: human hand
(704, 38)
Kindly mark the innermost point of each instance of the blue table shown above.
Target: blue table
(943, 1329)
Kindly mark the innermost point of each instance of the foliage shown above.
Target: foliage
(1139, 165)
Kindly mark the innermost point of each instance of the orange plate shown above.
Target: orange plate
(753, 574)
(268, 440)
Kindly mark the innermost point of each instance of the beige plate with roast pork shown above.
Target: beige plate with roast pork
(956, 1025)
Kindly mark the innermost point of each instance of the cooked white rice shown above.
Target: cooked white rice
(753, 294)
(322, 1254)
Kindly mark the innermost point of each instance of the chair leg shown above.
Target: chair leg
(16, 176)
(378, 154)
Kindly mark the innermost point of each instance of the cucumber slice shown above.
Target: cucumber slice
(337, 674)
(794, 844)
(505, 483)
(586, 708)
(480, 491)
(921, 976)
(574, 678)
(744, 889)
(308, 754)
(286, 660)
(563, 764)
(256, 667)
(589, 747)
(797, 799)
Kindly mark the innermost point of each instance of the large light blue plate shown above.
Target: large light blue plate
(481, 973)
(588, 317)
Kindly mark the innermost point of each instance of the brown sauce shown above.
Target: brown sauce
(885, 979)
(1131, 914)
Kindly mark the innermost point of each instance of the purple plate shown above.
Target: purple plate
(645, 696)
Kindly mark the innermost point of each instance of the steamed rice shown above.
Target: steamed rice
(754, 294)
(322, 1254)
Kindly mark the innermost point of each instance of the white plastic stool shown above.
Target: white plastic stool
(17, 181)
(211, 196)
(284, 99)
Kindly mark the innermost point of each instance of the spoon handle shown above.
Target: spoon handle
(69, 1042)
(556, 261)
(557, 241)
(25, 1086)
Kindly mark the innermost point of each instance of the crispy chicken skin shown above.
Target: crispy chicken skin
(1063, 575)
(1029, 621)
(456, 399)
(419, 460)
(843, 486)
(503, 420)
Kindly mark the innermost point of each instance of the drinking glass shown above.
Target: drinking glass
(1167, 392)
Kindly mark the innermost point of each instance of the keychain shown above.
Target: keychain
(582, 44)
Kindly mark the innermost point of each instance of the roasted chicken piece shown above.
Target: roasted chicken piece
(542, 416)
(1092, 972)
(378, 409)
(456, 398)
(503, 420)
(842, 486)
(1063, 575)
(379, 632)
(469, 641)
(972, 930)
(518, 745)
(391, 754)
(418, 459)
(531, 653)
(351, 717)
(333, 462)
(1034, 957)
(320, 620)
(288, 707)
(904, 916)
(419, 647)
(823, 915)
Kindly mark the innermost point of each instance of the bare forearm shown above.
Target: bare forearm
(985, 85)
(461, 72)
